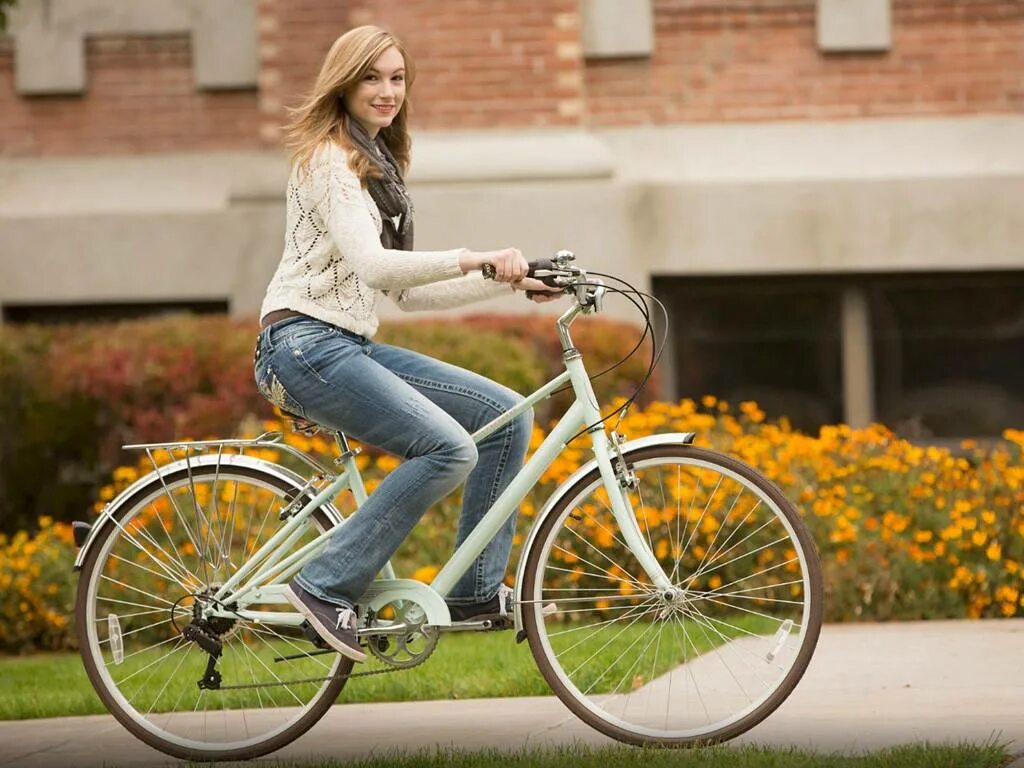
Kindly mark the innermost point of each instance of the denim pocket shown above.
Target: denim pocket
(311, 351)
(273, 390)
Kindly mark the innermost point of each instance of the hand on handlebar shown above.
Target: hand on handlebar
(537, 291)
(506, 266)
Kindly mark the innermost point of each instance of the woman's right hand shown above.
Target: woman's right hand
(509, 264)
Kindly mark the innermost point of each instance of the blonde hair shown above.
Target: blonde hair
(323, 118)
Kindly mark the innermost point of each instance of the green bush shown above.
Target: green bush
(603, 343)
(72, 395)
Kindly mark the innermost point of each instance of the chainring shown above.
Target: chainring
(406, 649)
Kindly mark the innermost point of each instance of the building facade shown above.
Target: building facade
(828, 195)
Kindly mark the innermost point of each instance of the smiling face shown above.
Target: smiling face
(376, 99)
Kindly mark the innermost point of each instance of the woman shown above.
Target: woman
(349, 238)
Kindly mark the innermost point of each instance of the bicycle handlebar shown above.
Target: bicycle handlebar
(538, 265)
(569, 279)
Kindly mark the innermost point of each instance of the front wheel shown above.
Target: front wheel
(705, 661)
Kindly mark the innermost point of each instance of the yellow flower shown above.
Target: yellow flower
(426, 573)
(387, 463)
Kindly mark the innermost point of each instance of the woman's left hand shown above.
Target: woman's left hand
(545, 293)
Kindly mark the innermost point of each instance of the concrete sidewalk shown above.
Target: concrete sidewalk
(868, 686)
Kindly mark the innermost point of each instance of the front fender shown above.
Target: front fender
(109, 514)
(667, 438)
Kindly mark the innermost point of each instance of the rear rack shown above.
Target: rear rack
(272, 440)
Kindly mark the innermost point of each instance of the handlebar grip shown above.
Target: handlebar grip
(538, 264)
(489, 272)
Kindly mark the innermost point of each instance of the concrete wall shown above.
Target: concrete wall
(899, 195)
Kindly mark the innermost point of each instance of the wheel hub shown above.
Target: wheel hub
(673, 601)
(222, 627)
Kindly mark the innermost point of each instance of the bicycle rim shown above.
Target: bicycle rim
(174, 542)
(704, 663)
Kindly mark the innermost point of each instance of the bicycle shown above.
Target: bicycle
(669, 594)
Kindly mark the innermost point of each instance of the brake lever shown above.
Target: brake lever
(554, 279)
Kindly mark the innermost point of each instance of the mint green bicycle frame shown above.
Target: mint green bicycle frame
(262, 577)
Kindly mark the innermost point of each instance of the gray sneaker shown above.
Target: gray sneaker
(336, 625)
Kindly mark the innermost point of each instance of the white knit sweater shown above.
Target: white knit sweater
(334, 267)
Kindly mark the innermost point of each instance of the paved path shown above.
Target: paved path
(868, 686)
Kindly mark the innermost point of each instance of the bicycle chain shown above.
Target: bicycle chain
(322, 679)
(317, 679)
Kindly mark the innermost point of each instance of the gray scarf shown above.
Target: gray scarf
(388, 192)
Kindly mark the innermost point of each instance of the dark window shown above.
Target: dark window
(949, 353)
(775, 340)
(78, 313)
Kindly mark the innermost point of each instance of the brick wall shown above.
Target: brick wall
(514, 64)
(489, 63)
(140, 97)
(479, 63)
(758, 60)
(294, 35)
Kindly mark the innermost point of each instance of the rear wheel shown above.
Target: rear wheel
(176, 540)
(707, 660)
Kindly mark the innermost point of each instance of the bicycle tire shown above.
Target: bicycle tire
(92, 655)
(689, 616)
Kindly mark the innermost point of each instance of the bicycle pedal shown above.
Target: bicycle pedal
(312, 635)
(498, 624)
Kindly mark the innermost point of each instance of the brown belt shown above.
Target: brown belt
(279, 314)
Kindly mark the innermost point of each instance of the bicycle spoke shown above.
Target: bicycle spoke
(273, 674)
(628, 578)
(133, 564)
(606, 576)
(629, 671)
(226, 514)
(763, 547)
(721, 553)
(136, 589)
(673, 666)
(136, 631)
(703, 624)
(761, 614)
(164, 566)
(590, 599)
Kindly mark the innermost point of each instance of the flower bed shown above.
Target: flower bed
(904, 531)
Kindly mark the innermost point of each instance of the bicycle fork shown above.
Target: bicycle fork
(618, 481)
(617, 478)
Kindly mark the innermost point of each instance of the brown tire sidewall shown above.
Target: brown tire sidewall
(815, 591)
(296, 729)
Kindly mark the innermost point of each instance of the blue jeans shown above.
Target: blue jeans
(410, 405)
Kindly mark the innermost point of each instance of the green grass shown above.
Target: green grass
(909, 756)
(463, 666)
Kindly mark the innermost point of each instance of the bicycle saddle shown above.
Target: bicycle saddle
(300, 424)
